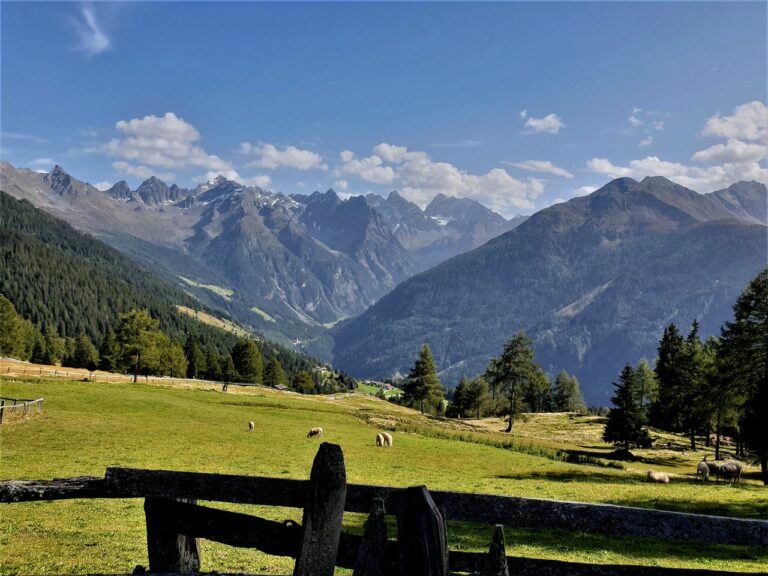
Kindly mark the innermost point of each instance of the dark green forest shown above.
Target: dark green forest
(66, 287)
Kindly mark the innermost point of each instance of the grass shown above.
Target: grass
(373, 390)
(205, 318)
(87, 426)
(225, 293)
(262, 314)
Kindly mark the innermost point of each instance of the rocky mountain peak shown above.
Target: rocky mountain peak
(120, 191)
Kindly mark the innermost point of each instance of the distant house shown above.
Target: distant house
(281, 387)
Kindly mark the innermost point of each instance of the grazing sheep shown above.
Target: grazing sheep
(315, 432)
(658, 477)
(731, 470)
(715, 468)
(379, 440)
(702, 469)
(387, 439)
(251, 426)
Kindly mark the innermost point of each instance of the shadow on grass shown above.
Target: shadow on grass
(746, 508)
(639, 549)
(590, 477)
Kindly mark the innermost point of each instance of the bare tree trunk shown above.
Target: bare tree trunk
(511, 412)
(717, 432)
(764, 467)
(693, 439)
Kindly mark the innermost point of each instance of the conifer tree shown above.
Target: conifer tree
(744, 361)
(303, 382)
(85, 354)
(422, 386)
(228, 372)
(459, 405)
(195, 357)
(566, 396)
(513, 371)
(477, 395)
(274, 374)
(625, 421)
(109, 353)
(248, 361)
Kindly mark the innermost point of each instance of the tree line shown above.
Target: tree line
(136, 345)
(512, 383)
(715, 388)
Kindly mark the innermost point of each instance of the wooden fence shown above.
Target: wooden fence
(174, 521)
(23, 404)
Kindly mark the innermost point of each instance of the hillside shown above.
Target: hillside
(592, 281)
(60, 278)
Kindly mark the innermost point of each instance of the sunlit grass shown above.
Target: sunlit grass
(86, 427)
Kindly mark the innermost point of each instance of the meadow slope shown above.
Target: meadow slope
(87, 426)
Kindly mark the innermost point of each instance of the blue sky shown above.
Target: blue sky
(515, 104)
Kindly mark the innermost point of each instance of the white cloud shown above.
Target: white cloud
(523, 113)
(93, 40)
(647, 141)
(42, 162)
(746, 131)
(346, 155)
(541, 166)
(341, 185)
(20, 136)
(371, 169)
(732, 151)
(658, 125)
(421, 178)
(634, 121)
(103, 185)
(550, 124)
(163, 142)
(748, 122)
(125, 169)
(269, 156)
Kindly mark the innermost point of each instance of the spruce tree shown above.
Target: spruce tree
(566, 396)
(248, 361)
(476, 395)
(625, 421)
(513, 371)
(303, 382)
(459, 404)
(84, 354)
(195, 357)
(109, 359)
(274, 374)
(743, 357)
(422, 386)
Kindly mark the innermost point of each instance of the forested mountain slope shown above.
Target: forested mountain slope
(593, 282)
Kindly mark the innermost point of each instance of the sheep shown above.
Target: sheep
(731, 470)
(387, 439)
(716, 468)
(658, 477)
(702, 469)
(315, 432)
(379, 440)
(251, 426)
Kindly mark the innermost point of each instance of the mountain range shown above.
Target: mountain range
(288, 266)
(593, 282)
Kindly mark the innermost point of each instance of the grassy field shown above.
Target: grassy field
(87, 426)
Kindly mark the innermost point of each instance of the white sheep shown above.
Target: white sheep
(251, 426)
(731, 470)
(315, 432)
(387, 439)
(658, 477)
(702, 469)
(379, 440)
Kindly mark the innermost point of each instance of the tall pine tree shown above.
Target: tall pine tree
(626, 420)
(422, 386)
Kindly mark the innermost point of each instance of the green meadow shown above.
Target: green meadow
(88, 426)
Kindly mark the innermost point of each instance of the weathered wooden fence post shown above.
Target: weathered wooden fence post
(421, 535)
(168, 551)
(372, 554)
(323, 513)
(2, 410)
(496, 562)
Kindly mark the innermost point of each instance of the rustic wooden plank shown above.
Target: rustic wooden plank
(233, 528)
(56, 489)
(372, 552)
(483, 508)
(422, 535)
(138, 483)
(496, 562)
(168, 550)
(323, 513)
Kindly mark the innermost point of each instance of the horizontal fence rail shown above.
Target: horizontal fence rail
(513, 511)
(23, 404)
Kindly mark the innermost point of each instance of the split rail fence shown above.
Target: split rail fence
(174, 521)
(25, 405)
